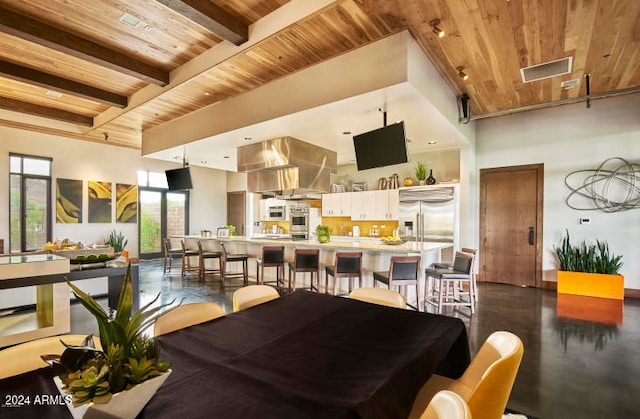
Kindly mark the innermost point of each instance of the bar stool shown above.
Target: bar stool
(472, 283)
(345, 265)
(403, 271)
(272, 257)
(203, 256)
(305, 260)
(186, 263)
(169, 253)
(233, 257)
(460, 271)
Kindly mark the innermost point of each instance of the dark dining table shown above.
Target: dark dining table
(304, 355)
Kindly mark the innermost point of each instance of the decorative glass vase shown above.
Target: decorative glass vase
(431, 180)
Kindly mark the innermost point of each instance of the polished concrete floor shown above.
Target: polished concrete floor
(573, 366)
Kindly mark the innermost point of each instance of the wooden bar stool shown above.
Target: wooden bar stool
(403, 271)
(345, 265)
(169, 253)
(305, 260)
(233, 257)
(203, 256)
(186, 262)
(272, 257)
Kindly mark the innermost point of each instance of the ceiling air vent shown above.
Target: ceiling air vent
(546, 70)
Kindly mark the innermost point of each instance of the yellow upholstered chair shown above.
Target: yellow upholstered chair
(447, 405)
(186, 315)
(252, 295)
(380, 296)
(25, 357)
(486, 383)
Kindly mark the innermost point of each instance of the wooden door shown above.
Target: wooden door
(511, 225)
(236, 214)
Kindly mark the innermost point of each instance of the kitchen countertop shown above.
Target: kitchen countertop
(348, 245)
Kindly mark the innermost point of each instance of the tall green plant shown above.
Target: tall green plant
(117, 241)
(587, 258)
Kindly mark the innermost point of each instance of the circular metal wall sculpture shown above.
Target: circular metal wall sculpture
(613, 187)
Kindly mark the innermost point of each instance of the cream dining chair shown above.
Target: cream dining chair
(486, 383)
(25, 357)
(380, 296)
(447, 405)
(252, 295)
(186, 315)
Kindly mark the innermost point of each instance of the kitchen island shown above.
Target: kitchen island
(375, 254)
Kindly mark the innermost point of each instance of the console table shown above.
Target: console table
(47, 273)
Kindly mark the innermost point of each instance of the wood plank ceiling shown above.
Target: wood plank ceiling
(74, 68)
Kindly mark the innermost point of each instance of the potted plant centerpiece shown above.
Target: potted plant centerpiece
(323, 233)
(421, 172)
(121, 378)
(117, 241)
(589, 270)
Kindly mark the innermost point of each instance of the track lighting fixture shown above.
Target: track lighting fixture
(434, 27)
(462, 74)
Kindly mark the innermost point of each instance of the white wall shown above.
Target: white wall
(82, 160)
(565, 139)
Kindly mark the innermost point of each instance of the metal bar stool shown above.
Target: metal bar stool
(272, 257)
(403, 271)
(169, 253)
(233, 257)
(305, 260)
(345, 265)
(186, 263)
(460, 271)
(449, 265)
(203, 256)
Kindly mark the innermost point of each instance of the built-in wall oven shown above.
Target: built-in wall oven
(299, 221)
(276, 213)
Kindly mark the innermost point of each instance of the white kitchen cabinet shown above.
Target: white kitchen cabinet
(363, 205)
(386, 204)
(374, 205)
(336, 204)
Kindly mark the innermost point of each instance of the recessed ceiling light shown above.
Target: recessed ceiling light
(203, 161)
(207, 93)
(129, 20)
(248, 138)
(226, 157)
(53, 94)
(346, 132)
(433, 142)
(147, 28)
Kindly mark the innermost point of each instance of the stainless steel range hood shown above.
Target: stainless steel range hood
(287, 167)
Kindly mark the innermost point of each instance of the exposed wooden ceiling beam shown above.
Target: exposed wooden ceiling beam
(67, 43)
(211, 17)
(49, 81)
(43, 111)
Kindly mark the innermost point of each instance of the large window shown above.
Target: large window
(163, 213)
(29, 202)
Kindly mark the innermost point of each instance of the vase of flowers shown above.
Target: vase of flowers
(323, 233)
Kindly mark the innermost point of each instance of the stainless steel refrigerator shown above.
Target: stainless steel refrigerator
(429, 213)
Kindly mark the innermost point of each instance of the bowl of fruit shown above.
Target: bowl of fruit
(392, 240)
(94, 258)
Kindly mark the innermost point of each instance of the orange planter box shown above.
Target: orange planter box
(591, 285)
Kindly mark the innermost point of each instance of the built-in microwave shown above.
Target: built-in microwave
(277, 213)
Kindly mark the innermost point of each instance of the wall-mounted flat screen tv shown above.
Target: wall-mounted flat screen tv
(179, 179)
(381, 147)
